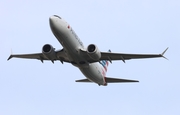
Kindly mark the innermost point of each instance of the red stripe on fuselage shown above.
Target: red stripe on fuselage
(104, 74)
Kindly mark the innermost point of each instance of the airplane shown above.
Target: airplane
(90, 60)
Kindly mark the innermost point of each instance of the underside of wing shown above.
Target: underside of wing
(121, 56)
(117, 80)
(28, 56)
(59, 55)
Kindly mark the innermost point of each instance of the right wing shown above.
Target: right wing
(60, 55)
(121, 56)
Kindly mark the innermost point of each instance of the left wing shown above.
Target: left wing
(60, 55)
(121, 56)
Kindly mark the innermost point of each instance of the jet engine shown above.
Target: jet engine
(93, 52)
(49, 52)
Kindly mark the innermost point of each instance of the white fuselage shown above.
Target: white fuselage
(72, 46)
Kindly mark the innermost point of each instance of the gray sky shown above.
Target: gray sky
(28, 87)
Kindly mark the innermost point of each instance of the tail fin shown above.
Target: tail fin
(105, 63)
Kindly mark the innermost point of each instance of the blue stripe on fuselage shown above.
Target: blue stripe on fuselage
(103, 63)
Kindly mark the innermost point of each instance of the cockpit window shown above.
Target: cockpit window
(57, 16)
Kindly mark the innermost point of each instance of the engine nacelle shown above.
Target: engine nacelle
(93, 52)
(49, 52)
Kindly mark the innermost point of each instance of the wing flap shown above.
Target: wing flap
(117, 80)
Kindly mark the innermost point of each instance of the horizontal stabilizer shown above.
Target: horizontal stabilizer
(116, 80)
(110, 80)
(83, 80)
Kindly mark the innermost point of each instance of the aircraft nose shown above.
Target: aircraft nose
(53, 19)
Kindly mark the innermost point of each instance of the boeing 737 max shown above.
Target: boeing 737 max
(91, 61)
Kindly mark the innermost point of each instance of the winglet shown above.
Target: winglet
(10, 57)
(164, 53)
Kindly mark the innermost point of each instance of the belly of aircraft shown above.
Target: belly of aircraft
(71, 47)
(93, 74)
